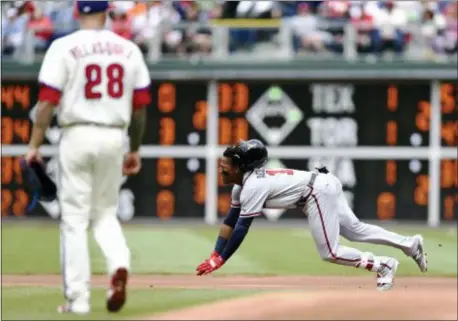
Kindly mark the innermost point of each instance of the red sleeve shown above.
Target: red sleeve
(141, 98)
(50, 94)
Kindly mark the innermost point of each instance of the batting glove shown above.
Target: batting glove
(201, 266)
(210, 265)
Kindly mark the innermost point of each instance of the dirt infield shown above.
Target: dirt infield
(297, 298)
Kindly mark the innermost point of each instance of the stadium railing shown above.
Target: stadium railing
(279, 47)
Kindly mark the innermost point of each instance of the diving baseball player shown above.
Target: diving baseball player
(102, 84)
(320, 194)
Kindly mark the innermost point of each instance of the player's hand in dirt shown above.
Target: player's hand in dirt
(33, 154)
(199, 268)
(210, 265)
(132, 164)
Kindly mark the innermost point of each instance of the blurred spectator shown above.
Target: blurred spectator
(13, 35)
(196, 38)
(216, 11)
(288, 8)
(363, 22)
(137, 14)
(246, 38)
(178, 27)
(335, 16)
(11, 32)
(391, 22)
(121, 23)
(257, 9)
(306, 31)
(431, 25)
(413, 10)
(447, 41)
(62, 16)
(42, 27)
(154, 22)
(337, 9)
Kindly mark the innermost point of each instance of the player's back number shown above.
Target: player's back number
(114, 73)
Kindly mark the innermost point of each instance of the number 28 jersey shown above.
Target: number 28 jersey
(96, 76)
(270, 188)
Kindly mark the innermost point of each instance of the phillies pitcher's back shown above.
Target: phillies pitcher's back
(100, 71)
(99, 83)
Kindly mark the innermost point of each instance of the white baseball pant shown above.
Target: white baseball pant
(90, 173)
(330, 215)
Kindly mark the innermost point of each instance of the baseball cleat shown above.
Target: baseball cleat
(72, 308)
(385, 275)
(419, 255)
(117, 293)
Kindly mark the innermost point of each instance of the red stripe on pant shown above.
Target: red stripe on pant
(335, 257)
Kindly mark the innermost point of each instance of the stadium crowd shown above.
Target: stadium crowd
(317, 26)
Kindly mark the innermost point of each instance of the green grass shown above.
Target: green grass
(41, 303)
(34, 249)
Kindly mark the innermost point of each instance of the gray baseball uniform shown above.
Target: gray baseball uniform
(328, 213)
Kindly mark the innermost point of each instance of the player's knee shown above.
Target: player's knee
(328, 257)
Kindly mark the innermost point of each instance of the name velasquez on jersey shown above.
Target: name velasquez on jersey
(269, 188)
(97, 76)
(101, 48)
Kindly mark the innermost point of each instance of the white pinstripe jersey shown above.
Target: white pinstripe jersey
(97, 73)
(269, 188)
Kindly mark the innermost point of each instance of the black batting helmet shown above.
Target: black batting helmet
(248, 155)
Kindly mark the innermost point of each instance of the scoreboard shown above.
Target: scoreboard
(326, 115)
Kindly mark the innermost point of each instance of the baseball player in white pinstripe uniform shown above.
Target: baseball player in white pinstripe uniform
(100, 82)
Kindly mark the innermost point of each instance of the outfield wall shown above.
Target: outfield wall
(388, 134)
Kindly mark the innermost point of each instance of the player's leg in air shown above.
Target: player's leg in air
(105, 224)
(323, 217)
(354, 230)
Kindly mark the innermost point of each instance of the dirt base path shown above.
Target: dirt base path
(296, 298)
(327, 305)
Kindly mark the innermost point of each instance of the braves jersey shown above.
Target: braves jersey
(96, 76)
(270, 188)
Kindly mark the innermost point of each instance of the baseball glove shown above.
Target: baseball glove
(39, 181)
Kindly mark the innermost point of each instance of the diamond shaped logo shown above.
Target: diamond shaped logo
(274, 103)
(273, 214)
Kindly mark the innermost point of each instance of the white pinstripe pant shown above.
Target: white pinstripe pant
(90, 173)
(329, 216)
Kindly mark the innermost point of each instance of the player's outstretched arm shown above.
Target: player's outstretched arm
(252, 199)
(225, 232)
(237, 237)
(226, 229)
(234, 242)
